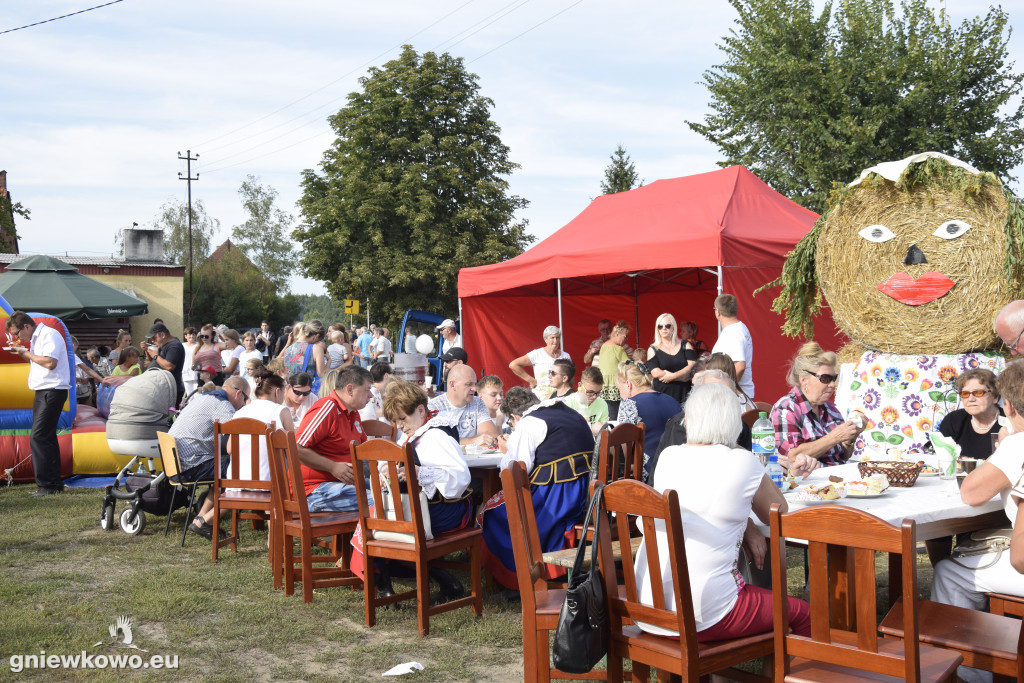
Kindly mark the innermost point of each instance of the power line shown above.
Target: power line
(63, 16)
(426, 85)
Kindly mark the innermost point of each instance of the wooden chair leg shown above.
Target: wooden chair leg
(288, 557)
(307, 572)
(423, 597)
(370, 590)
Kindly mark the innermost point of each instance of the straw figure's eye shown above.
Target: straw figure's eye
(950, 230)
(876, 233)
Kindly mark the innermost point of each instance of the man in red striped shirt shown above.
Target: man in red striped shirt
(323, 438)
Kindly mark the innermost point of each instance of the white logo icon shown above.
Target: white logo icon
(122, 626)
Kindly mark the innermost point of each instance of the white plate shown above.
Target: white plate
(867, 495)
(814, 501)
(479, 450)
(928, 474)
(11, 348)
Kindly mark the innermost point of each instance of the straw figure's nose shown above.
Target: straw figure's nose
(915, 256)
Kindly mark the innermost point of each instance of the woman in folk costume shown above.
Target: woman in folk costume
(555, 444)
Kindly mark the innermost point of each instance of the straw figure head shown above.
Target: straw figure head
(916, 264)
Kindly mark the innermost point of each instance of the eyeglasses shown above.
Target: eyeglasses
(824, 377)
(666, 326)
(642, 367)
(592, 394)
(977, 393)
(1015, 341)
(301, 393)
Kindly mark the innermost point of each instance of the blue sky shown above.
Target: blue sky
(96, 107)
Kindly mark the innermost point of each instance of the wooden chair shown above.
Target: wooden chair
(295, 522)
(1009, 605)
(541, 604)
(172, 468)
(986, 641)
(247, 497)
(620, 455)
(684, 656)
(764, 407)
(381, 455)
(380, 429)
(750, 417)
(831, 653)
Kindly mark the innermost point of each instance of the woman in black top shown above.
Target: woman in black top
(670, 359)
(973, 425)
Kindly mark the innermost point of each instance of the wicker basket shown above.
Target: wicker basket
(899, 473)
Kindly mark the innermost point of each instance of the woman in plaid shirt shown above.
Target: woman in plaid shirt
(806, 420)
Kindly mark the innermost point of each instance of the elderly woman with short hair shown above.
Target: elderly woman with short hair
(974, 425)
(806, 420)
(541, 359)
(714, 521)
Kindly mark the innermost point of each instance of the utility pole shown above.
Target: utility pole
(188, 159)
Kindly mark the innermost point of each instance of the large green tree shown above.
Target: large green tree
(173, 220)
(265, 237)
(620, 175)
(805, 98)
(413, 189)
(226, 293)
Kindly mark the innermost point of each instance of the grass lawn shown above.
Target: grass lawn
(66, 581)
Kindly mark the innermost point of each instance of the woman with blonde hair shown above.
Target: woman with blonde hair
(671, 359)
(723, 361)
(640, 403)
(608, 360)
(124, 340)
(306, 353)
(207, 354)
(806, 420)
(231, 351)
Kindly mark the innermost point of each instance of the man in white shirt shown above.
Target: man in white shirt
(49, 376)
(450, 337)
(735, 341)
(466, 408)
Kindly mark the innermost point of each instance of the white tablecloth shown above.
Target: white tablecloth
(930, 499)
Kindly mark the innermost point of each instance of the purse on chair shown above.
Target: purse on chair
(389, 497)
(581, 638)
(982, 543)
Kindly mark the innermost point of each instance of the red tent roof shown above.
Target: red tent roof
(705, 220)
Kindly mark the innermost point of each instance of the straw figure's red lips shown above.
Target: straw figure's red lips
(907, 290)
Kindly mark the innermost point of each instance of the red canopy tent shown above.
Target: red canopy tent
(671, 246)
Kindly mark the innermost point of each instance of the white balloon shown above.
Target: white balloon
(425, 344)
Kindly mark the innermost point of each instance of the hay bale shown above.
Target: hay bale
(850, 268)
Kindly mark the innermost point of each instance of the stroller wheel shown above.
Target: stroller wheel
(133, 527)
(107, 517)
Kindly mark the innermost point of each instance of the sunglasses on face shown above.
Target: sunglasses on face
(977, 393)
(301, 393)
(552, 373)
(666, 326)
(824, 377)
(204, 336)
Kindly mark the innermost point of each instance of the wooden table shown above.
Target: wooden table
(485, 466)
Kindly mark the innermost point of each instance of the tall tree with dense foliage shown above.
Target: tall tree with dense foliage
(412, 189)
(620, 175)
(805, 98)
(173, 220)
(265, 237)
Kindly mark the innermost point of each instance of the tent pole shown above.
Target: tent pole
(558, 285)
(636, 313)
(719, 270)
(462, 328)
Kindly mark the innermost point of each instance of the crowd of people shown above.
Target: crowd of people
(324, 381)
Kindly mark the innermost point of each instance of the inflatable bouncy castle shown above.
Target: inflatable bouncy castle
(81, 430)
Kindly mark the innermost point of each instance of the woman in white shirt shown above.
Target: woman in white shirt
(541, 359)
(189, 376)
(714, 521)
(267, 405)
(249, 352)
(231, 351)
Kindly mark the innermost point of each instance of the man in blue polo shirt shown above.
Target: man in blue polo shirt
(363, 343)
(49, 376)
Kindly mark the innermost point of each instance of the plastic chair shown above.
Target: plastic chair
(380, 455)
(246, 497)
(293, 521)
(684, 656)
(541, 604)
(834, 653)
(172, 468)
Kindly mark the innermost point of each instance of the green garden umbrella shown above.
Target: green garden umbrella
(43, 284)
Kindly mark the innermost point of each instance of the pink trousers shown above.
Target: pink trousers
(752, 614)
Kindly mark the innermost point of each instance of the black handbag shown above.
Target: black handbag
(581, 638)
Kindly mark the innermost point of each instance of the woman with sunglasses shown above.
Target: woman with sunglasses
(299, 396)
(670, 359)
(974, 425)
(207, 354)
(806, 420)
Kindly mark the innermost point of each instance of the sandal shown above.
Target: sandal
(205, 529)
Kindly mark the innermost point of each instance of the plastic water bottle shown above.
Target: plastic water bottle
(763, 437)
(774, 470)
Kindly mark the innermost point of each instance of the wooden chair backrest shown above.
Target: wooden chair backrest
(384, 458)
(242, 449)
(288, 487)
(621, 453)
(862, 534)
(522, 522)
(169, 454)
(750, 417)
(379, 428)
(762, 406)
(629, 498)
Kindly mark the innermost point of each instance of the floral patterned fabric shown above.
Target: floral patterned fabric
(905, 397)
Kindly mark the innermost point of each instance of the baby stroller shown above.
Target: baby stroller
(139, 408)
